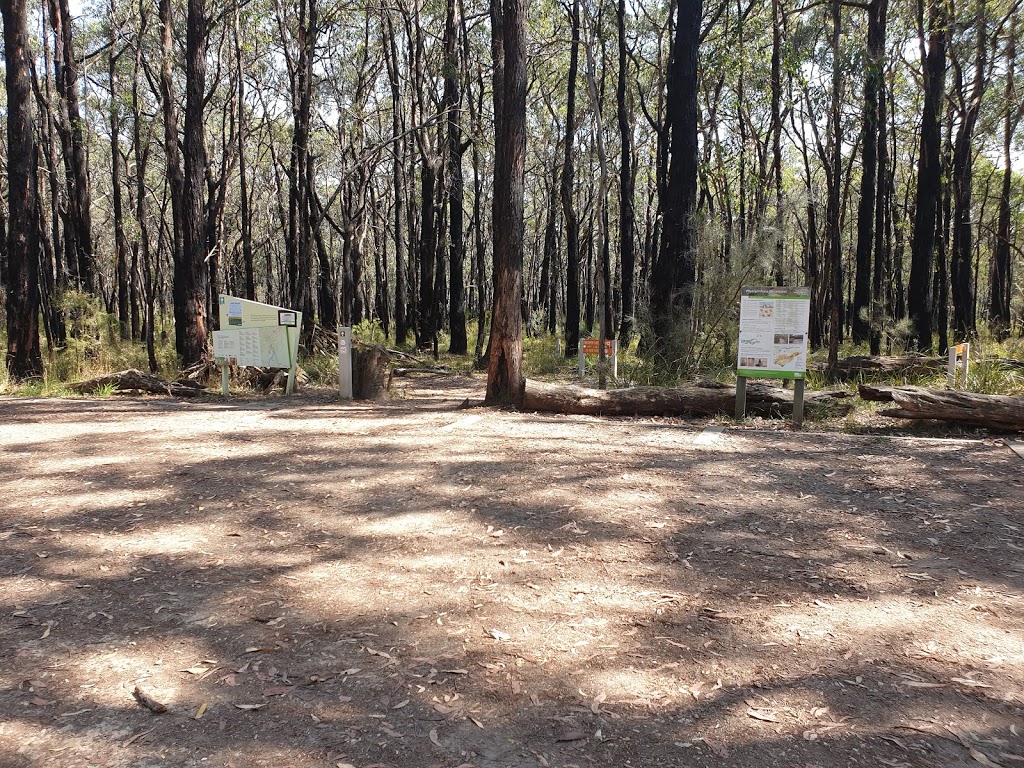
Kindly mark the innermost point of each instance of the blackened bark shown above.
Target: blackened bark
(78, 238)
(24, 358)
(833, 223)
(963, 178)
(248, 260)
(873, 83)
(674, 275)
(121, 251)
(505, 380)
(398, 176)
(190, 275)
(459, 342)
(572, 226)
(881, 263)
(627, 217)
(999, 291)
(426, 313)
(929, 177)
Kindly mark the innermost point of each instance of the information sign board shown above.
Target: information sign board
(255, 334)
(773, 333)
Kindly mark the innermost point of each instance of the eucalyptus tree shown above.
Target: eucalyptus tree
(24, 356)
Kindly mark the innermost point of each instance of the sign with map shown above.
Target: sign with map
(256, 334)
(773, 333)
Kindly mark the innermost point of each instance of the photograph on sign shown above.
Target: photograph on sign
(773, 333)
(286, 318)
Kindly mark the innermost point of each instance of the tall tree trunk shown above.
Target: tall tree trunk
(929, 175)
(78, 238)
(459, 342)
(245, 214)
(398, 176)
(572, 226)
(776, 107)
(673, 278)
(1000, 282)
(833, 221)
(505, 380)
(300, 239)
(121, 251)
(24, 356)
(175, 176)
(880, 307)
(963, 180)
(190, 275)
(141, 161)
(873, 83)
(627, 216)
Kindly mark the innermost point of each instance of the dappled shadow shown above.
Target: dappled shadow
(407, 586)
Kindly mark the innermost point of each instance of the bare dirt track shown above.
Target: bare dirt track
(304, 583)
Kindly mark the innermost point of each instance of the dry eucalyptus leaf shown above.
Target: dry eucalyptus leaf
(433, 737)
(982, 758)
(250, 707)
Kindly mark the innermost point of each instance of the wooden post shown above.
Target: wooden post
(224, 379)
(583, 364)
(741, 397)
(292, 364)
(798, 403)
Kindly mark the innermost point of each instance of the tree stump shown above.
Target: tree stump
(369, 368)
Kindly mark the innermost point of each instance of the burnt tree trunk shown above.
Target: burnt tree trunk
(190, 276)
(24, 359)
(627, 217)
(566, 191)
(505, 381)
(929, 175)
(459, 342)
(673, 278)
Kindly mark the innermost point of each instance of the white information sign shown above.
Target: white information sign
(773, 333)
(255, 334)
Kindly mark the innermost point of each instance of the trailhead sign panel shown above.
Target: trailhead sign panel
(255, 334)
(773, 333)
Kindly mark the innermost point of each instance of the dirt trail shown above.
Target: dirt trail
(303, 583)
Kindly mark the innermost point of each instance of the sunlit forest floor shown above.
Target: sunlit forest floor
(304, 582)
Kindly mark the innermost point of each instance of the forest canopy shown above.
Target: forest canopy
(341, 158)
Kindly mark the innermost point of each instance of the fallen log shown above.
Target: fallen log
(134, 380)
(704, 399)
(1004, 412)
(883, 365)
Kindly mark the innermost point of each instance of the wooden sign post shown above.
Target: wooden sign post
(593, 347)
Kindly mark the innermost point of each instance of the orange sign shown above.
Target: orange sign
(591, 347)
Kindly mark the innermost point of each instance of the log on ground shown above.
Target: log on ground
(705, 399)
(884, 365)
(134, 380)
(1004, 412)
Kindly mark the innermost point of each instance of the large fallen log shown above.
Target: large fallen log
(993, 411)
(705, 399)
(883, 365)
(134, 380)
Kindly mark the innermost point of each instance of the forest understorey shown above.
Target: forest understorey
(304, 582)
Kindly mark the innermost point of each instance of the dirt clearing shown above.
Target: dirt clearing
(305, 583)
